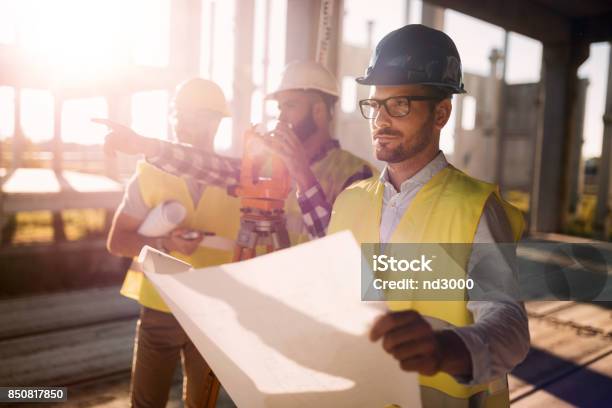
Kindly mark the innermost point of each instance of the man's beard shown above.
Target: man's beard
(400, 153)
(305, 128)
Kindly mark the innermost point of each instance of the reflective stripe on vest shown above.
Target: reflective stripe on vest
(446, 210)
(215, 212)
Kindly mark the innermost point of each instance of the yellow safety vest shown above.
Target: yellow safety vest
(219, 213)
(332, 171)
(215, 212)
(446, 210)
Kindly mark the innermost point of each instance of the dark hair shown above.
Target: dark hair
(328, 100)
(439, 92)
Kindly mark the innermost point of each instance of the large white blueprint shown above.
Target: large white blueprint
(286, 329)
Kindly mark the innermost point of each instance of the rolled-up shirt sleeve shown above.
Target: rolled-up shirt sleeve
(316, 210)
(498, 339)
(184, 160)
(316, 207)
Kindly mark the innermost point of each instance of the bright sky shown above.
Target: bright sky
(46, 30)
(83, 40)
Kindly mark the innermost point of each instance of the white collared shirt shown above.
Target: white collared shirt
(499, 338)
(395, 203)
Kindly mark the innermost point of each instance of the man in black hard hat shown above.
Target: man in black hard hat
(463, 350)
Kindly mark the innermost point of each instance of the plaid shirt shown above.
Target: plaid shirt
(209, 168)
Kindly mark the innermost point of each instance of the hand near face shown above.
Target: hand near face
(287, 146)
(410, 339)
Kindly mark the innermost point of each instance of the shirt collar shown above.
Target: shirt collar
(421, 177)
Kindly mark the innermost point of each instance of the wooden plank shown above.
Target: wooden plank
(546, 307)
(114, 393)
(36, 314)
(68, 356)
(571, 239)
(557, 349)
(586, 315)
(63, 248)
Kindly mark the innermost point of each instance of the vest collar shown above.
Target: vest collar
(325, 148)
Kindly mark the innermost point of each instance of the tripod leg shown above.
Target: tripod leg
(280, 238)
(214, 393)
(237, 253)
(247, 253)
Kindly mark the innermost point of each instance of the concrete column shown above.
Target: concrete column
(500, 116)
(243, 70)
(57, 133)
(17, 145)
(407, 11)
(575, 167)
(493, 117)
(602, 226)
(432, 16)
(185, 26)
(302, 24)
(119, 110)
(329, 33)
(314, 31)
(549, 198)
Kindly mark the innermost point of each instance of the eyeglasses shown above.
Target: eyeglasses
(396, 106)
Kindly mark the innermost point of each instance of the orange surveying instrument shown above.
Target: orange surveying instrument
(262, 203)
(262, 199)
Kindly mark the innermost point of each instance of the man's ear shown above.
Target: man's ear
(442, 113)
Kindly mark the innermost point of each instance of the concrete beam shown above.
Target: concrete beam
(522, 16)
(550, 193)
(594, 29)
(18, 72)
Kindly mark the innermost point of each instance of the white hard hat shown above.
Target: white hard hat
(306, 75)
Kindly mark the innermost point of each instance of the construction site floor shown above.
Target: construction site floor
(84, 340)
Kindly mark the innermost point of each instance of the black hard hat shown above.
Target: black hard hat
(415, 54)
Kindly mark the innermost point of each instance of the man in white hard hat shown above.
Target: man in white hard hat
(319, 167)
(161, 343)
